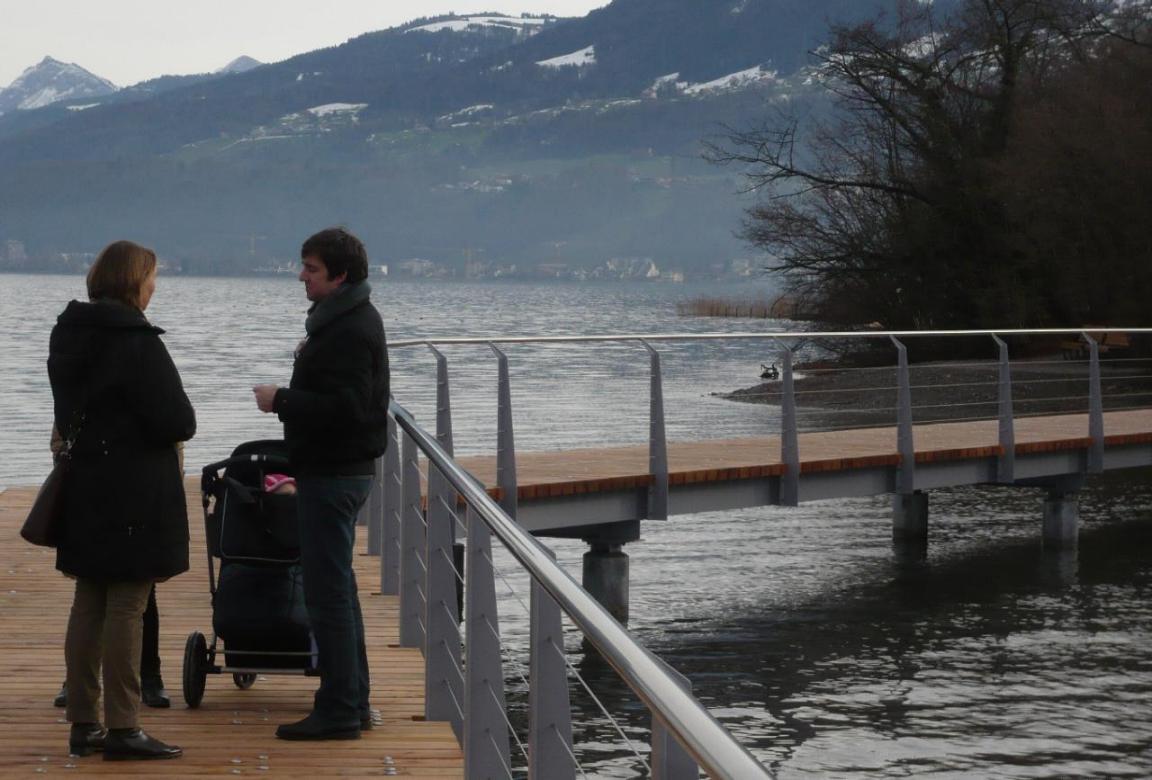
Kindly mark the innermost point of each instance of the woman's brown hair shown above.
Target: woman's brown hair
(119, 272)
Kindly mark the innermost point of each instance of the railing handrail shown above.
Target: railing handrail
(689, 722)
(779, 334)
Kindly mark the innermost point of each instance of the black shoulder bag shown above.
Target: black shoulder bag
(45, 523)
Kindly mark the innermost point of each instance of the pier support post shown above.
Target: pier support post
(606, 577)
(910, 517)
(1061, 519)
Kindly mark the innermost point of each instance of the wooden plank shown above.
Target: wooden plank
(233, 731)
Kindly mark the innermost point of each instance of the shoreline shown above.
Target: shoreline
(944, 391)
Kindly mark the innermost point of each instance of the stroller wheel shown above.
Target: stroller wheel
(195, 668)
(244, 681)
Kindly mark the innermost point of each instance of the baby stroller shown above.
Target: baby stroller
(258, 611)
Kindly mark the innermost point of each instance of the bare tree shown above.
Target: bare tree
(894, 210)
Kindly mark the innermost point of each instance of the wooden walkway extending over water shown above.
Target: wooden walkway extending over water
(603, 485)
(553, 474)
(233, 731)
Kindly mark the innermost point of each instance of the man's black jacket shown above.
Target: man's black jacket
(335, 409)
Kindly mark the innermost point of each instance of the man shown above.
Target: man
(335, 416)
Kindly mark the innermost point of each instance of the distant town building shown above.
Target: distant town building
(416, 266)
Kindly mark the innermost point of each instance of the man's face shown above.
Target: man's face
(314, 274)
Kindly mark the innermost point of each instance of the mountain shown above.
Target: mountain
(240, 65)
(465, 140)
(408, 75)
(51, 81)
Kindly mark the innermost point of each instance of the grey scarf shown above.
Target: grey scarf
(343, 300)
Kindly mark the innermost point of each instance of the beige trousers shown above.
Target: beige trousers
(103, 639)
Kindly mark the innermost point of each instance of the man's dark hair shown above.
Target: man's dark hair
(340, 251)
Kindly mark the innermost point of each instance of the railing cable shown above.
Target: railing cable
(499, 751)
(452, 565)
(452, 694)
(511, 729)
(456, 668)
(600, 704)
(568, 750)
(567, 663)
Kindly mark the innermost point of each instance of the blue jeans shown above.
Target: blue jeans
(327, 508)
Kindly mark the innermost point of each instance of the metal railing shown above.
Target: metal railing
(800, 414)
(429, 621)
(414, 531)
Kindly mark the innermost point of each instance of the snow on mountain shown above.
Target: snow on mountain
(585, 56)
(51, 81)
(337, 108)
(460, 23)
(672, 81)
(471, 112)
(240, 65)
(311, 122)
(732, 81)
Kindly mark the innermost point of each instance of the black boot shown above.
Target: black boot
(86, 738)
(316, 728)
(61, 699)
(135, 745)
(153, 694)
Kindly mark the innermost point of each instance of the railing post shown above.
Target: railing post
(549, 705)
(443, 693)
(657, 441)
(487, 751)
(1006, 464)
(906, 445)
(393, 502)
(505, 438)
(670, 761)
(413, 542)
(1095, 408)
(375, 505)
(789, 434)
(443, 690)
(443, 402)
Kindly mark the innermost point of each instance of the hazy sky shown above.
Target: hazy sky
(127, 41)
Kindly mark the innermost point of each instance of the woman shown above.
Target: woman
(120, 404)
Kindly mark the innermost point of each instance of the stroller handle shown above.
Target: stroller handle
(210, 473)
(271, 460)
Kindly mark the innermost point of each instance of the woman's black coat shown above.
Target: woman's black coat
(118, 394)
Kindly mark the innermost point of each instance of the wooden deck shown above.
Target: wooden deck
(543, 475)
(233, 731)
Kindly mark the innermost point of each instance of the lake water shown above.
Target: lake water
(824, 652)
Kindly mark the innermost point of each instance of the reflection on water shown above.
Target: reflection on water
(826, 653)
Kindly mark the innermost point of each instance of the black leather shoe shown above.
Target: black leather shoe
(135, 745)
(61, 699)
(315, 728)
(86, 738)
(153, 694)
